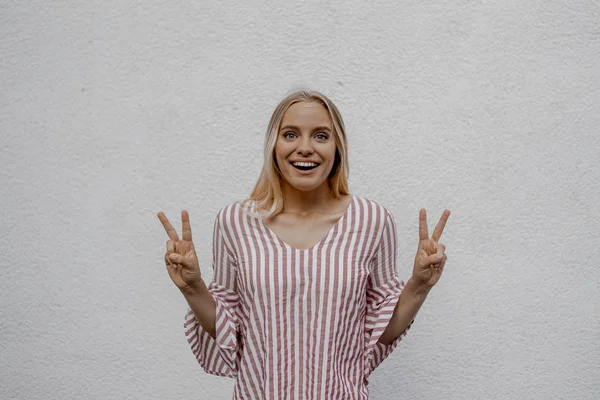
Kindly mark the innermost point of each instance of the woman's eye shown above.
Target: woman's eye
(289, 135)
(322, 136)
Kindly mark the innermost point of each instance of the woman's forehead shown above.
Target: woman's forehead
(306, 113)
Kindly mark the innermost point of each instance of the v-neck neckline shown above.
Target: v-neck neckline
(323, 239)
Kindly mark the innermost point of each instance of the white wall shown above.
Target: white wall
(113, 111)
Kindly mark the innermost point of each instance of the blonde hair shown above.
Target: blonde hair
(267, 193)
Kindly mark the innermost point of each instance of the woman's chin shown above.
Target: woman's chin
(306, 186)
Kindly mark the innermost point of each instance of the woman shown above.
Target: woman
(305, 301)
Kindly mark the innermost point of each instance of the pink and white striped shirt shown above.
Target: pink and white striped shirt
(300, 324)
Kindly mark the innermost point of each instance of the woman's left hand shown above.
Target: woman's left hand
(431, 257)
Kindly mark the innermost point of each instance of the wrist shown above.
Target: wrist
(416, 288)
(198, 289)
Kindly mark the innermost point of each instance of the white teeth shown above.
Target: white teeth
(305, 164)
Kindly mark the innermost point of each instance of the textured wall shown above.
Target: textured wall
(112, 111)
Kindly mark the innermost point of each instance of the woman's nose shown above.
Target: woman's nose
(305, 146)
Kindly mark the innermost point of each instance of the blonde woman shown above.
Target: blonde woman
(305, 302)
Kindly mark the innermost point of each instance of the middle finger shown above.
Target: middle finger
(186, 229)
(437, 233)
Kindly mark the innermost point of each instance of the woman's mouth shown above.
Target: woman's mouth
(304, 166)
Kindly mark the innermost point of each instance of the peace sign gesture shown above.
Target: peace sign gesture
(431, 257)
(181, 259)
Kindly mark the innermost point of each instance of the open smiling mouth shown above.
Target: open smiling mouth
(305, 166)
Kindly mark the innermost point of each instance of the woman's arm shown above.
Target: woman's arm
(411, 299)
(203, 305)
(428, 268)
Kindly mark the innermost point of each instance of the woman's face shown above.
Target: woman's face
(305, 148)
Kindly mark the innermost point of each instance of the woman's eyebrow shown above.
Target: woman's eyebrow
(318, 128)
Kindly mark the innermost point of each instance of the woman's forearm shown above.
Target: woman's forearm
(411, 299)
(203, 305)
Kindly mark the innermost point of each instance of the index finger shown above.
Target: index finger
(423, 234)
(186, 230)
(168, 227)
(437, 233)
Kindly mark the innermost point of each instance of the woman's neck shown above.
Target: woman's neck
(320, 200)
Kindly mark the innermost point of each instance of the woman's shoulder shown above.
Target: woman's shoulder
(235, 211)
(374, 207)
(379, 217)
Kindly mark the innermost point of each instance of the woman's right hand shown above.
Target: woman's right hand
(180, 259)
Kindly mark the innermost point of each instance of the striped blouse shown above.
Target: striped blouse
(300, 324)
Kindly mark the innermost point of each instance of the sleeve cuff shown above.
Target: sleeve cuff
(217, 356)
(382, 302)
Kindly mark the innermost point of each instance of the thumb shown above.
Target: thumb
(177, 258)
(432, 259)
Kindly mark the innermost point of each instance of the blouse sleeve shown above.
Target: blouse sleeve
(218, 356)
(383, 291)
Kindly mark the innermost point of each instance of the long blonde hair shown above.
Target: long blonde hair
(267, 193)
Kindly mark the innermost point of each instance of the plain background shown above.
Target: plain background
(112, 111)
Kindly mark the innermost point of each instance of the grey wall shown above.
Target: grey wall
(113, 111)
